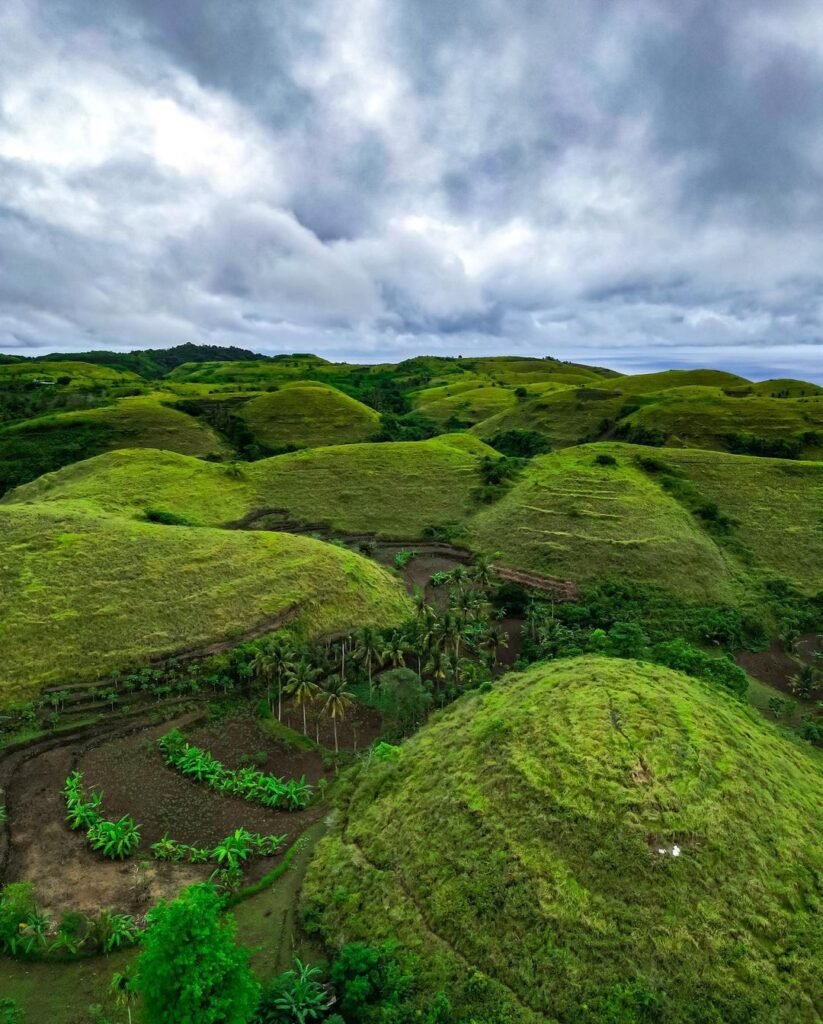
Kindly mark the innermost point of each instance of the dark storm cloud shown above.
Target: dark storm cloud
(632, 182)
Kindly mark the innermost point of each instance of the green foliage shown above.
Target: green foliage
(10, 1012)
(269, 790)
(413, 426)
(371, 984)
(517, 844)
(604, 459)
(520, 444)
(296, 997)
(115, 839)
(159, 515)
(191, 970)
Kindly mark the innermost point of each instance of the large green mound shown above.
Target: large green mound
(515, 846)
(394, 489)
(44, 444)
(70, 373)
(307, 415)
(82, 594)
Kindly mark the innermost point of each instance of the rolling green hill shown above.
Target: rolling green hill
(41, 445)
(568, 516)
(83, 594)
(515, 847)
(393, 489)
(79, 374)
(308, 415)
(565, 515)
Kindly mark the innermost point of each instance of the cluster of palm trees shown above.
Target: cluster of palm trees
(450, 649)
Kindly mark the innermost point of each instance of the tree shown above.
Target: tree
(371, 984)
(338, 700)
(368, 649)
(274, 660)
(394, 651)
(804, 683)
(303, 686)
(191, 970)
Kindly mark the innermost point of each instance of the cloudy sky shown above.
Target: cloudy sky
(636, 183)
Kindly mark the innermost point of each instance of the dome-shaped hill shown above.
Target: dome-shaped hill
(308, 415)
(593, 840)
(82, 594)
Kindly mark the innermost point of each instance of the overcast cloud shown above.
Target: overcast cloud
(635, 183)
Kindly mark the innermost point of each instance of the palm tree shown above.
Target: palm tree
(303, 687)
(419, 601)
(495, 639)
(435, 666)
(394, 650)
(274, 661)
(338, 700)
(483, 572)
(368, 650)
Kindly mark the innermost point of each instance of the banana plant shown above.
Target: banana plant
(165, 849)
(115, 839)
(234, 850)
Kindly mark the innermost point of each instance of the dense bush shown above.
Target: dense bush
(520, 444)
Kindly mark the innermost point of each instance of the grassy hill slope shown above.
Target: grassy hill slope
(307, 415)
(82, 375)
(42, 445)
(82, 594)
(515, 847)
(570, 517)
(394, 489)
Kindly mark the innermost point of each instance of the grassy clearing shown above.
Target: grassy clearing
(83, 594)
(308, 415)
(514, 847)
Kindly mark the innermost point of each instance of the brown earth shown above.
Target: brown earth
(776, 667)
(135, 780)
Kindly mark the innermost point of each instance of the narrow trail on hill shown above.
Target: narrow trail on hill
(364, 858)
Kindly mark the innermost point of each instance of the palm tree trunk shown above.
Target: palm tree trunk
(279, 699)
(305, 728)
(334, 726)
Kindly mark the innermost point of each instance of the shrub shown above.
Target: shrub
(159, 515)
(370, 982)
(605, 460)
(520, 444)
(10, 1012)
(191, 969)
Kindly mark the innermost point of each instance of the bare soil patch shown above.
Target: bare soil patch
(776, 667)
(135, 780)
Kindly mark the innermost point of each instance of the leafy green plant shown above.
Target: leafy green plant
(246, 782)
(402, 558)
(115, 839)
(296, 996)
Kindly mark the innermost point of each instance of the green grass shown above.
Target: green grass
(83, 375)
(45, 444)
(84, 594)
(513, 848)
(394, 489)
(702, 417)
(307, 415)
(651, 383)
(571, 518)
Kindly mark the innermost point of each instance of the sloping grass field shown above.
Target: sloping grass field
(307, 415)
(522, 845)
(395, 489)
(82, 594)
(42, 445)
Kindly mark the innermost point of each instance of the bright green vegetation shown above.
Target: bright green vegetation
(269, 790)
(569, 516)
(709, 418)
(191, 969)
(515, 846)
(80, 374)
(308, 415)
(564, 515)
(652, 383)
(395, 489)
(42, 445)
(85, 594)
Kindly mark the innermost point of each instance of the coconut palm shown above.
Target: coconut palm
(483, 572)
(303, 686)
(368, 650)
(273, 661)
(337, 701)
(495, 638)
(394, 650)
